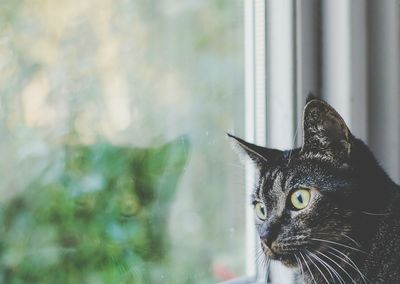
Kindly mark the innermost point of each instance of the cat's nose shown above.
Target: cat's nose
(268, 235)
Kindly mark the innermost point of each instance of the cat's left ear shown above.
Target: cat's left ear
(325, 132)
(261, 156)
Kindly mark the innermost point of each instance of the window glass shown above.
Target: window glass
(115, 164)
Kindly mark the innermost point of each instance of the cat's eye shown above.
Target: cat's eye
(300, 199)
(261, 211)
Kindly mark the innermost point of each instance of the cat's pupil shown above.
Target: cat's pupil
(299, 198)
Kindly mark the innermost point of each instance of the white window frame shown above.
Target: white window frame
(269, 118)
(267, 115)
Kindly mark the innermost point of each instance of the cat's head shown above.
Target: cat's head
(308, 198)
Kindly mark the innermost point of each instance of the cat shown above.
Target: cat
(101, 219)
(327, 209)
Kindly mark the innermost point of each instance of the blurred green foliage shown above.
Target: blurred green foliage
(101, 220)
(134, 72)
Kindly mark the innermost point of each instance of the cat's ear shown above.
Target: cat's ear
(261, 156)
(325, 132)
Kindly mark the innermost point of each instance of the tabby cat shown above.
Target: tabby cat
(97, 214)
(327, 208)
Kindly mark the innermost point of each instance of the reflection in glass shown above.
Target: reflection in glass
(115, 164)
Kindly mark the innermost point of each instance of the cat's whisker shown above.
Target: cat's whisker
(350, 262)
(261, 258)
(308, 268)
(340, 244)
(351, 239)
(324, 264)
(267, 262)
(344, 235)
(355, 268)
(340, 278)
(316, 266)
(338, 265)
(262, 261)
(375, 214)
(300, 266)
(267, 266)
(258, 258)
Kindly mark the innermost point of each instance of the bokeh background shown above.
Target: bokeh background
(101, 103)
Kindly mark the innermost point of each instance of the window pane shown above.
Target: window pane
(115, 164)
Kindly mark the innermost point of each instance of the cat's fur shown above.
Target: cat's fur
(350, 230)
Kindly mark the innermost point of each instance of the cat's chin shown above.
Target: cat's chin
(289, 260)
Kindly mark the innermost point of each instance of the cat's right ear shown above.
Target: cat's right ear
(261, 156)
(325, 132)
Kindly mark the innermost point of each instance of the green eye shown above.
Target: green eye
(300, 198)
(261, 211)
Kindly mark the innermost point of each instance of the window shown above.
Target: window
(113, 118)
(116, 167)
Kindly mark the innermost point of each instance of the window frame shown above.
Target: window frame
(266, 115)
(269, 120)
